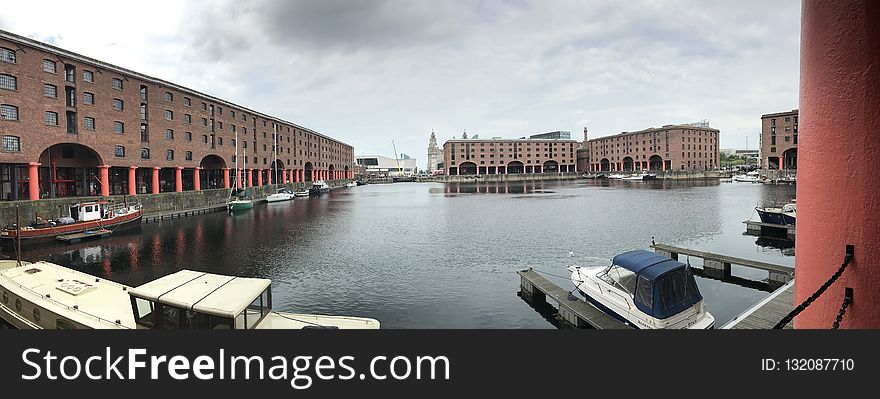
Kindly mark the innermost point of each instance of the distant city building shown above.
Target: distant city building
(435, 155)
(508, 156)
(379, 166)
(671, 147)
(755, 154)
(779, 138)
(557, 135)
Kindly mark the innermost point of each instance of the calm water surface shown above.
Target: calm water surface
(426, 255)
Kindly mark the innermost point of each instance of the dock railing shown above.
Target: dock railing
(718, 266)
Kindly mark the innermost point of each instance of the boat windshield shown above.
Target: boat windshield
(620, 277)
(154, 315)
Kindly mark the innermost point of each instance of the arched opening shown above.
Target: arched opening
(307, 171)
(789, 159)
(211, 175)
(627, 164)
(655, 162)
(69, 170)
(605, 165)
(276, 170)
(551, 167)
(330, 170)
(467, 168)
(515, 167)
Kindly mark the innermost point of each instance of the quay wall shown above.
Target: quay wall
(53, 208)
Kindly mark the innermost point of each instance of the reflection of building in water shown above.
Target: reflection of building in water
(91, 254)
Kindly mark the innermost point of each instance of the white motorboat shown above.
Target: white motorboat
(319, 187)
(351, 184)
(283, 194)
(43, 295)
(303, 192)
(645, 291)
(617, 176)
(750, 177)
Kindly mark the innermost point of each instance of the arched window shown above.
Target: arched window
(7, 55)
(8, 82)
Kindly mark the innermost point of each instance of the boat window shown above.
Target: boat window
(143, 311)
(172, 317)
(5, 297)
(672, 289)
(645, 292)
(620, 278)
(239, 320)
(254, 312)
(61, 324)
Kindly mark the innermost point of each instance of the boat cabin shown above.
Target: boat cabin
(87, 211)
(660, 287)
(196, 300)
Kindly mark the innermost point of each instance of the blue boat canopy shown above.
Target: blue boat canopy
(664, 287)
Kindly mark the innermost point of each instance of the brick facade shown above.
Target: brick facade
(669, 148)
(779, 138)
(501, 156)
(177, 119)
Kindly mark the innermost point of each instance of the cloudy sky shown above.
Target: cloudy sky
(372, 71)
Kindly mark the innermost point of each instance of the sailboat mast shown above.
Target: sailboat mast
(397, 158)
(237, 176)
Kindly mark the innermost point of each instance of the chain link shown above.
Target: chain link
(846, 301)
(800, 308)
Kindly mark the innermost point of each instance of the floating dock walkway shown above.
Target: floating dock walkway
(575, 311)
(85, 235)
(155, 217)
(766, 313)
(757, 228)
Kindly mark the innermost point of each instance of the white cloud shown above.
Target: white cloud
(368, 72)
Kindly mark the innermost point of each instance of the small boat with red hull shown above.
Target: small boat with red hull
(83, 217)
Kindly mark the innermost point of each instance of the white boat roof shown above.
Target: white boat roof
(75, 295)
(210, 293)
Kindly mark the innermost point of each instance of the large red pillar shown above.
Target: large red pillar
(156, 180)
(178, 179)
(34, 181)
(260, 177)
(250, 177)
(225, 177)
(132, 180)
(104, 177)
(839, 99)
(197, 184)
(269, 176)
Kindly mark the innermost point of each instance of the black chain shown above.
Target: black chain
(800, 308)
(846, 301)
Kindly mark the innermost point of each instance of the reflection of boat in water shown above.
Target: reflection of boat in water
(83, 217)
(786, 246)
(44, 295)
(644, 290)
(784, 215)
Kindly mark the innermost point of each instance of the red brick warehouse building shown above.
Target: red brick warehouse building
(75, 126)
(779, 139)
(508, 156)
(690, 147)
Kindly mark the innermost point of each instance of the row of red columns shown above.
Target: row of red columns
(287, 176)
(645, 166)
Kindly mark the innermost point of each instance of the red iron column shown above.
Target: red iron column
(839, 99)
(178, 179)
(132, 180)
(34, 181)
(196, 181)
(104, 176)
(156, 180)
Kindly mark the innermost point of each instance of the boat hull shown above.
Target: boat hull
(47, 234)
(775, 217)
(279, 197)
(240, 206)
